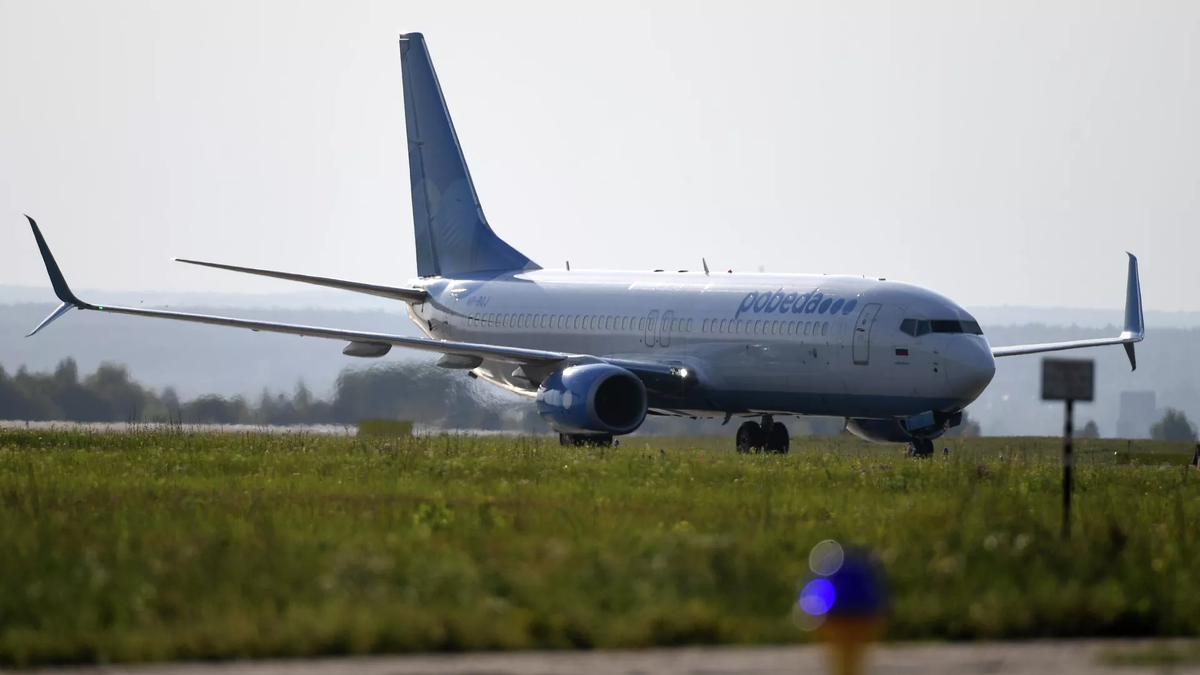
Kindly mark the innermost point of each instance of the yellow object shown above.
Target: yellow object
(846, 639)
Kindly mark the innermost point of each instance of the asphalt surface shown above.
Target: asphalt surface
(1059, 658)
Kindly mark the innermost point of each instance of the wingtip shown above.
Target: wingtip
(57, 280)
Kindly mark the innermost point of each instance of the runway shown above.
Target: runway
(1028, 658)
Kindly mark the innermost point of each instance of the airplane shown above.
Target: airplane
(600, 350)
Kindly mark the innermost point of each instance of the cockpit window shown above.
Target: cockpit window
(919, 327)
(971, 327)
(915, 327)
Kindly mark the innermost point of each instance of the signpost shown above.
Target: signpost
(1068, 380)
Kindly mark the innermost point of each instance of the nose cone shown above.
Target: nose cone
(969, 366)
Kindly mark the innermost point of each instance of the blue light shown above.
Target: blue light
(817, 597)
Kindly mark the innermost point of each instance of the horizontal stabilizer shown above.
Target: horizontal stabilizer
(404, 294)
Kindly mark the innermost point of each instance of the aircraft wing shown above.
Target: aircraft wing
(667, 378)
(405, 294)
(532, 357)
(1133, 333)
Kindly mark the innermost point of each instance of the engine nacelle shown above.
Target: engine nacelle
(925, 425)
(595, 398)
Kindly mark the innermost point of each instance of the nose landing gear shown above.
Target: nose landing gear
(770, 436)
(920, 447)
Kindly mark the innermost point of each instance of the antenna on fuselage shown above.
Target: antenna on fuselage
(568, 265)
(705, 262)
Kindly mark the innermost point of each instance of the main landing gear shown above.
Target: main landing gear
(920, 447)
(770, 436)
(580, 440)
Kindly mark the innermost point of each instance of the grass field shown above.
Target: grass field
(149, 546)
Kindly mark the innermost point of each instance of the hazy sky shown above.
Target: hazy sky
(1002, 153)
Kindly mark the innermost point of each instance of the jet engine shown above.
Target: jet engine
(595, 398)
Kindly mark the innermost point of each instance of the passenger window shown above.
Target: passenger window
(775, 328)
(704, 326)
(642, 323)
(579, 321)
(825, 328)
(689, 326)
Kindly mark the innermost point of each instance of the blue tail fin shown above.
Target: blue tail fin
(453, 237)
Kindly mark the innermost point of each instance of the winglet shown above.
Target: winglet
(56, 276)
(1135, 325)
(61, 289)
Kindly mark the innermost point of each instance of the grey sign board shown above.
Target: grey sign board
(1068, 379)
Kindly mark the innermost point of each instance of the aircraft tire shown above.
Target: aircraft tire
(779, 442)
(581, 440)
(922, 448)
(749, 438)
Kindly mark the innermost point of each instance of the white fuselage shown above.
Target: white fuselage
(760, 343)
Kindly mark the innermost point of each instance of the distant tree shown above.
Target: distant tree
(969, 428)
(1090, 430)
(1174, 426)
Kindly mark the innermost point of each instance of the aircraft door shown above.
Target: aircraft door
(862, 334)
(664, 333)
(651, 328)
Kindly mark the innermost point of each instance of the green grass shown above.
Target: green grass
(149, 546)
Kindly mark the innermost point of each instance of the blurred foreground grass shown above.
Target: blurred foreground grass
(162, 545)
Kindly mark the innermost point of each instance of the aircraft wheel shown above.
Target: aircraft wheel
(749, 437)
(778, 441)
(583, 440)
(921, 448)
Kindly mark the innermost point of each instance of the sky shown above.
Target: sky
(1002, 153)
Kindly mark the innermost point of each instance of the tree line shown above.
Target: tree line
(408, 390)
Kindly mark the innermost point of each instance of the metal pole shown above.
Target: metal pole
(1068, 460)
